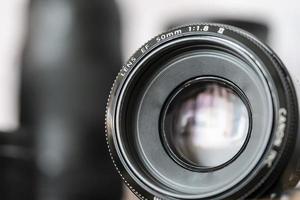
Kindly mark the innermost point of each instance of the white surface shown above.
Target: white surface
(12, 16)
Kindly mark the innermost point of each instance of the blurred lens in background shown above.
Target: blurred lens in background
(71, 55)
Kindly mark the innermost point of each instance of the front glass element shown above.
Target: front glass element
(206, 123)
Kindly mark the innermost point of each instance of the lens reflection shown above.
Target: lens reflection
(206, 124)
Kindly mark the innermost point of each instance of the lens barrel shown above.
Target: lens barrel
(204, 111)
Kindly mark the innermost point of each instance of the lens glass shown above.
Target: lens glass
(205, 123)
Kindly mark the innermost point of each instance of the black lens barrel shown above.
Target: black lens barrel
(144, 84)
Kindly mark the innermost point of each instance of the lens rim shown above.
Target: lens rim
(265, 175)
(171, 150)
(163, 169)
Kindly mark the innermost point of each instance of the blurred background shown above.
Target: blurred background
(58, 59)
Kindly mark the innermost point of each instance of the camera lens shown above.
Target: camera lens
(206, 123)
(204, 111)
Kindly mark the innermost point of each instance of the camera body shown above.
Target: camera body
(204, 111)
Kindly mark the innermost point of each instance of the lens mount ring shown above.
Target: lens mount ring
(279, 147)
